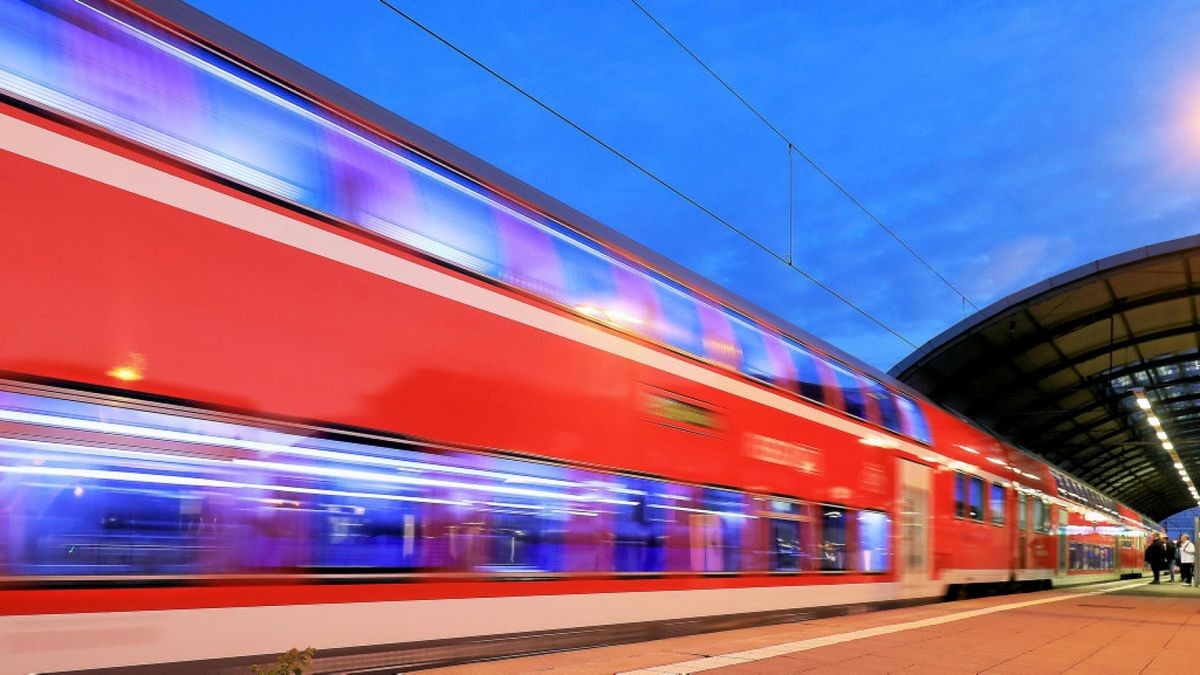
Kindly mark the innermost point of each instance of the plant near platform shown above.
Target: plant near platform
(294, 662)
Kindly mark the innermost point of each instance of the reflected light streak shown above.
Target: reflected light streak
(117, 428)
(711, 513)
(356, 474)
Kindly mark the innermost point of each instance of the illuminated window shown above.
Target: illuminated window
(834, 556)
(874, 537)
(853, 402)
(996, 504)
(960, 502)
(975, 498)
(808, 377)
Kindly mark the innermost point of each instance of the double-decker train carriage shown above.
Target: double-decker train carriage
(281, 369)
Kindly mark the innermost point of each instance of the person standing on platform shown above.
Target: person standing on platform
(1155, 556)
(1187, 559)
(1170, 556)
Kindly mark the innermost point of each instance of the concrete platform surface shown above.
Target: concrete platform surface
(1120, 627)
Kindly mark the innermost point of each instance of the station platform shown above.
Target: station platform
(1120, 627)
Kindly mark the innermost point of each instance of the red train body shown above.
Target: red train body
(137, 281)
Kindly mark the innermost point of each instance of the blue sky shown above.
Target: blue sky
(1006, 142)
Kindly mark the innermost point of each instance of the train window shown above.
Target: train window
(975, 498)
(996, 504)
(1041, 516)
(641, 522)
(789, 536)
(889, 412)
(530, 257)
(912, 420)
(834, 526)
(756, 362)
(1021, 519)
(874, 537)
(853, 402)
(227, 120)
(588, 281)
(785, 545)
(720, 343)
(960, 494)
(783, 372)
(717, 529)
(453, 224)
(808, 375)
(679, 321)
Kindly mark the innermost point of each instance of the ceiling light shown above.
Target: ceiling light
(1162, 436)
(1154, 421)
(1168, 445)
(1178, 465)
(1143, 402)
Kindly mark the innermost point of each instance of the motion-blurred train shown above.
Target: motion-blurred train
(280, 369)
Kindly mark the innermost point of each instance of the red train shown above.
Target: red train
(275, 375)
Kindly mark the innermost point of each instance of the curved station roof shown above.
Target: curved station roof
(1097, 370)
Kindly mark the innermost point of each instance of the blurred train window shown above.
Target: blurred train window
(783, 538)
(756, 362)
(960, 492)
(808, 376)
(588, 279)
(720, 342)
(680, 322)
(975, 498)
(1041, 516)
(996, 504)
(783, 372)
(874, 541)
(1021, 519)
(853, 402)
(641, 522)
(530, 256)
(834, 526)
(717, 529)
(451, 223)
(913, 420)
(889, 412)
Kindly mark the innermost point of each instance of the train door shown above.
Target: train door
(1022, 536)
(914, 506)
(1062, 541)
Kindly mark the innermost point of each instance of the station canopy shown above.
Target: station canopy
(1059, 369)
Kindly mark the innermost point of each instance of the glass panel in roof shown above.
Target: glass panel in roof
(1168, 372)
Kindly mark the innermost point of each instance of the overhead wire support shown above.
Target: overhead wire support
(807, 158)
(786, 260)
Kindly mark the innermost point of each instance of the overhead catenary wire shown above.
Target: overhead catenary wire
(792, 147)
(786, 260)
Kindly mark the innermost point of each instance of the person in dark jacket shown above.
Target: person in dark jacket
(1170, 556)
(1156, 557)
